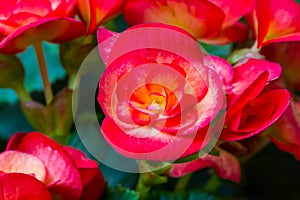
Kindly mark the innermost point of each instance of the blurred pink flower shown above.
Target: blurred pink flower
(210, 21)
(47, 168)
(285, 133)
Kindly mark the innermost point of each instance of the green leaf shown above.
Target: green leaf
(221, 51)
(12, 121)
(186, 195)
(33, 79)
(120, 193)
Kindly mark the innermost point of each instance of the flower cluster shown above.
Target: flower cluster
(162, 98)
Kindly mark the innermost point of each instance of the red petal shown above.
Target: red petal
(226, 165)
(94, 188)
(235, 33)
(55, 30)
(279, 99)
(246, 73)
(91, 176)
(278, 21)
(16, 186)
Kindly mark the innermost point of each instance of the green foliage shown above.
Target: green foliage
(32, 77)
(187, 195)
(222, 51)
(12, 121)
(119, 193)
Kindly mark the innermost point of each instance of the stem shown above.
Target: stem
(22, 93)
(182, 183)
(143, 188)
(212, 184)
(44, 73)
(254, 47)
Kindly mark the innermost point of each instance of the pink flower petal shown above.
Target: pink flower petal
(226, 165)
(221, 66)
(55, 30)
(14, 161)
(162, 147)
(246, 73)
(16, 186)
(63, 177)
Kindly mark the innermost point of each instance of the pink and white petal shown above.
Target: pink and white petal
(55, 30)
(221, 66)
(157, 36)
(226, 165)
(63, 177)
(106, 40)
(149, 144)
(187, 15)
(18, 162)
(16, 186)
(246, 73)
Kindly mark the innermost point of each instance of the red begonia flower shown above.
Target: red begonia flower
(95, 12)
(208, 20)
(286, 131)
(250, 109)
(66, 172)
(226, 165)
(275, 21)
(157, 94)
(23, 23)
